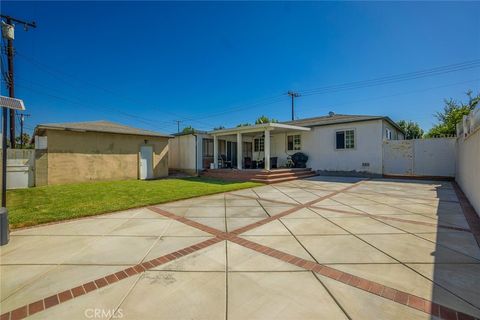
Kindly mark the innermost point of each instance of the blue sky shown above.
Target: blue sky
(149, 64)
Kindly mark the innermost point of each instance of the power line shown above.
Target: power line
(404, 93)
(241, 107)
(56, 73)
(149, 123)
(279, 98)
(395, 78)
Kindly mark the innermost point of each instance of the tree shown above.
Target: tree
(188, 129)
(26, 141)
(412, 129)
(219, 128)
(243, 125)
(264, 119)
(453, 112)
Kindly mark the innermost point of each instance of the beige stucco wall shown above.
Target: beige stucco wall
(468, 167)
(182, 153)
(89, 156)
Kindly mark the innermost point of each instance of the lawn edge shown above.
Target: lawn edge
(53, 222)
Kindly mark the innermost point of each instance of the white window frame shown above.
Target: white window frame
(295, 146)
(388, 134)
(261, 145)
(345, 139)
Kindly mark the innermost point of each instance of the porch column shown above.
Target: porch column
(215, 152)
(239, 151)
(267, 149)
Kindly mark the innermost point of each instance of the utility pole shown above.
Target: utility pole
(22, 121)
(293, 95)
(8, 32)
(178, 125)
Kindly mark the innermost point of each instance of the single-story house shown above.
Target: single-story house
(97, 150)
(334, 143)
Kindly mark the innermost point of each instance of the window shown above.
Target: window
(258, 144)
(388, 134)
(345, 139)
(294, 142)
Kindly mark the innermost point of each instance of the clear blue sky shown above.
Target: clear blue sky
(148, 64)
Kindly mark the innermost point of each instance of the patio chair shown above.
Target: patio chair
(226, 163)
(273, 162)
(247, 163)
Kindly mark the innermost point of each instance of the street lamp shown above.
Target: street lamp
(16, 104)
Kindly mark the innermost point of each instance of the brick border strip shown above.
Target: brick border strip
(360, 214)
(294, 209)
(186, 221)
(398, 296)
(473, 219)
(53, 300)
(364, 214)
(263, 199)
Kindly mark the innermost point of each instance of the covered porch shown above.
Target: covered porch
(250, 147)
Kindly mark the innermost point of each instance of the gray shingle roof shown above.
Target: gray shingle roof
(338, 119)
(101, 126)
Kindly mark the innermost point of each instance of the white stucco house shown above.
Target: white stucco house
(335, 143)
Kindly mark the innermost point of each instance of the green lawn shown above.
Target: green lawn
(33, 206)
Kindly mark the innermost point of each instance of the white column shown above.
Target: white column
(267, 149)
(215, 152)
(239, 151)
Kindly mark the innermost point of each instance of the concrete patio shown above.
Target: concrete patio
(320, 248)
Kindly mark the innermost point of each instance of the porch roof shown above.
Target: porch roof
(277, 127)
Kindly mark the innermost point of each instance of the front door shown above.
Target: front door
(146, 162)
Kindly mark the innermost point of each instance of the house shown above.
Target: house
(97, 150)
(336, 143)
(189, 152)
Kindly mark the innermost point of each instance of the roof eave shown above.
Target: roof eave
(43, 127)
(258, 127)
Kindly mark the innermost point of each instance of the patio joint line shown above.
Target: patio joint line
(398, 296)
(294, 209)
(410, 212)
(405, 263)
(369, 215)
(226, 256)
(313, 258)
(60, 297)
(400, 229)
(471, 216)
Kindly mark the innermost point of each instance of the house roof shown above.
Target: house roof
(339, 119)
(278, 127)
(99, 126)
(195, 131)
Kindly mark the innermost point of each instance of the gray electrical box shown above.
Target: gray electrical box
(4, 229)
(8, 31)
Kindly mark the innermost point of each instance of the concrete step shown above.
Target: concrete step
(282, 174)
(283, 179)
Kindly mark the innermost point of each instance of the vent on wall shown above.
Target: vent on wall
(365, 164)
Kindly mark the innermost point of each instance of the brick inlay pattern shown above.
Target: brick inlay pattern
(472, 217)
(423, 223)
(372, 287)
(40, 305)
(308, 205)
